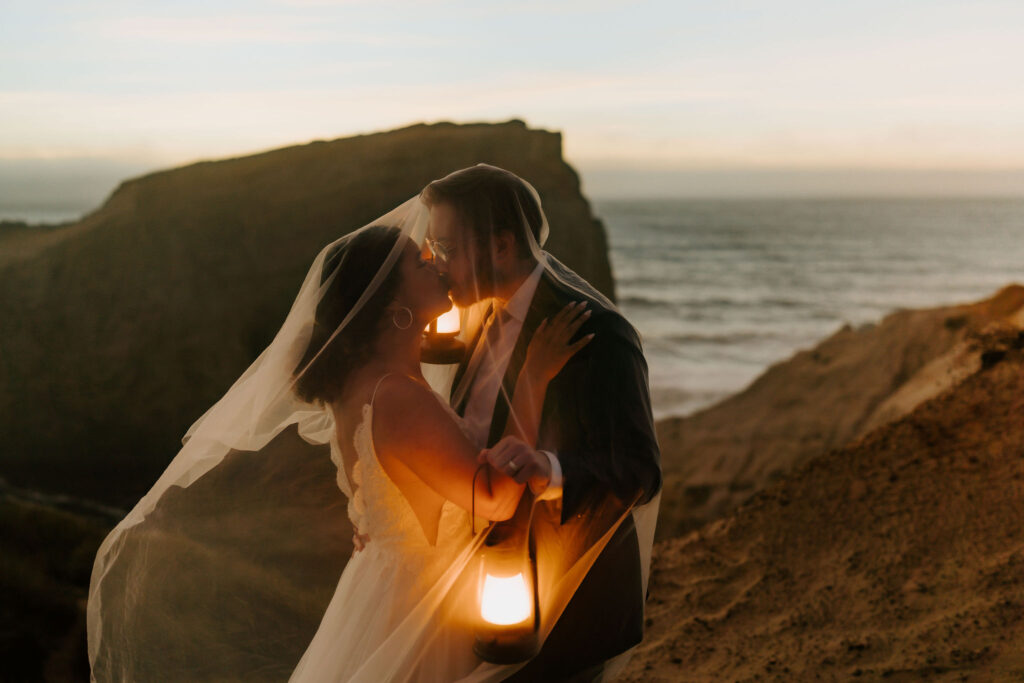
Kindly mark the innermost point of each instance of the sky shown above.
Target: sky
(658, 98)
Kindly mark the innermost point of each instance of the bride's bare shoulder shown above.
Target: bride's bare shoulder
(360, 390)
(399, 392)
(404, 405)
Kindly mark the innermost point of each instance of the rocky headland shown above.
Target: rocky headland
(118, 331)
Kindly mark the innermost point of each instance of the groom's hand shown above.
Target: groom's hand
(513, 457)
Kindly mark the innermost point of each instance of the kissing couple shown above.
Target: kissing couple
(229, 566)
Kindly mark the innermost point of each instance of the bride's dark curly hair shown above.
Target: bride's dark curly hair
(353, 263)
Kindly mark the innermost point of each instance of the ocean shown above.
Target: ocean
(722, 289)
(42, 214)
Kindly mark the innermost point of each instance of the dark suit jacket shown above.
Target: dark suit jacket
(597, 420)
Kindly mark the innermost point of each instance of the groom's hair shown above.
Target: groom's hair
(489, 200)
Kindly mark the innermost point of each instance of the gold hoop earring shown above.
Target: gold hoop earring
(394, 317)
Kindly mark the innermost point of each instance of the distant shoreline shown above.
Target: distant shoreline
(20, 224)
(44, 216)
(40, 218)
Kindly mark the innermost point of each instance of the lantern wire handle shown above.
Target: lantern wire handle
(472, 499)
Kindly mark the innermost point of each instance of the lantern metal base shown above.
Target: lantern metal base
(509, 648)
(438, 350)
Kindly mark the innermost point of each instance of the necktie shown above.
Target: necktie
(484, 375)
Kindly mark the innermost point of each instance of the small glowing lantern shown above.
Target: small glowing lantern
(505, 600)
(439, 346)
(448, 323)
(508, 624)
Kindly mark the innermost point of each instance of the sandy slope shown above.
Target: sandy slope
(846, 386)
(899, 557)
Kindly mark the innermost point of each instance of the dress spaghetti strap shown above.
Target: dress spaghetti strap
(379, 381)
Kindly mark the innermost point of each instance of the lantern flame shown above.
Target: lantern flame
(448, 323)
(505, 600)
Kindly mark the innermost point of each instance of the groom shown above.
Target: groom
(597, 453)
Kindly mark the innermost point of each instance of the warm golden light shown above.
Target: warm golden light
(448, 323)
(439, 345)
(505, 600)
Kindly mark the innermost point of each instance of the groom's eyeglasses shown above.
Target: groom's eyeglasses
(441, 251)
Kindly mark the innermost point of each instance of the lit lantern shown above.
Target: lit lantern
(505, 600)
(448, 323)
(508, 623)
(439, 346)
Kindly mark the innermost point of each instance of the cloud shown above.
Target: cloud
(228, 29)
(216, 29)
(361, 3)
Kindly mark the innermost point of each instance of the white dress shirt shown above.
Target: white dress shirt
(489, 362)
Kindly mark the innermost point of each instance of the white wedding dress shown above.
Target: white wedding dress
(382, 610)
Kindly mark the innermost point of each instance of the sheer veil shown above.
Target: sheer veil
(224, 569)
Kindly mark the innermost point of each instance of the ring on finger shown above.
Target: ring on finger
(513, 466)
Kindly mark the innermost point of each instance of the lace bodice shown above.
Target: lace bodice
(377, 507)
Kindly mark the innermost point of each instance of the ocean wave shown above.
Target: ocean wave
(678, 402)
(675, 299)
(636, 301)
(724, 337)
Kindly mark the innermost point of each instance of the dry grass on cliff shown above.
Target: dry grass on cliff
(898, 557)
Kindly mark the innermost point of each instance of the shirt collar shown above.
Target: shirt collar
(518, 304)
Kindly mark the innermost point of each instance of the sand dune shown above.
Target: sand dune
(849, 384)
(898, 557)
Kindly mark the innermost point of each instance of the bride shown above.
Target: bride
(228, 568)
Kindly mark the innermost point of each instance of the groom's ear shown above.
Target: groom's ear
(504, 244)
